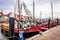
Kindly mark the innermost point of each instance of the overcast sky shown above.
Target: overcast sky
(41, 6)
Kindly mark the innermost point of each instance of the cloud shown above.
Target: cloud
(6, 5)
(40, 5)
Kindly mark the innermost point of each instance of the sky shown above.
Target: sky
(41, 6)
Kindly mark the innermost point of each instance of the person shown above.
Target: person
(57, 21)
(16, 24)
(6, 24)
(49, 23)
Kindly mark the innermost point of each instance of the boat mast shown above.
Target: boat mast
(19, 8)
(15, 11)
(40, 15)
(33, 11)
(52, 10)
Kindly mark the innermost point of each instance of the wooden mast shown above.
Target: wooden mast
(33, 11)
(52, 10)
(19, 8)
(15, 11)
(40, 15)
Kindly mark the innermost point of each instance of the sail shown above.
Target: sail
(26, 9)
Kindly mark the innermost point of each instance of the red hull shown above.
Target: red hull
(34, 29)
(38, 28)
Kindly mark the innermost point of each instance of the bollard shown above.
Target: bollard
(21, 35)
(11, 26)
(57, 21)
(49, 23)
